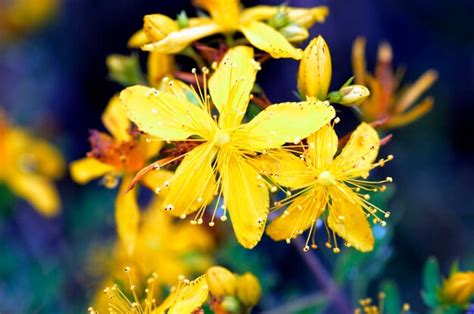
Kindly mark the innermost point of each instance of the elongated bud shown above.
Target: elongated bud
(294, 33)
(353, 95)
(124, 69)
(221, 281)
(314, 75)
(157, 26)
(248, 289)
(458, 288)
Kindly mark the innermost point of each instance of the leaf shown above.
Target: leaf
(431, 282)
(392, 303)
(125, 70)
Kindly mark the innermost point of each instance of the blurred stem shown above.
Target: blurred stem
(322, 276)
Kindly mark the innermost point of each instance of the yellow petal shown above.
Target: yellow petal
(269, 40)
(156, 178)
(359, 153)
(165, 115)
(193, 184)
(177, 41)
(348, 220)
(245, 197)
(37, 190)
(299, 216)
(138, 39)
(150, 146)
(159, 66)
(285, 169)
(127, 216)
(158, 26)
(87, 169)
(358, 60)
(408, 117)
(188, 297)
(283, 123)
(49, 160)
(224, 12)
(115, 120)
(231, 84)
(315, 71)
(322, 147)
(304, 17)
(308, 17)
(412, 93)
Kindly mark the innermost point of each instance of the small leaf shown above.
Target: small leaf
(125, 70)
(431, 282)
(393, 302)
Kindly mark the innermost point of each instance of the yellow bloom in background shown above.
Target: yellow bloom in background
(389, 101)
(224, 146)
(458, 288)
(120, 155)
(28, 166)
(185, 298)
(21, 16)
(322, 182)
(227, 17)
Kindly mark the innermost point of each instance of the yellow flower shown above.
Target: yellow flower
(20, 16)
(324, 181)
(28, 166)
(186, 297)
(386, 100)
(227, 17)
(221, 281)
(458, 288)
(225, 146)
(120, 155)
(368, 307)
(154, 252)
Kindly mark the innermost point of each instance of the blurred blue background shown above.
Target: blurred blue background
(55, 81)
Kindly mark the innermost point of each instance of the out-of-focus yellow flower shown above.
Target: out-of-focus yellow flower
(386, 100)
(28, 166)
(315, 71)
(224, 146)
(121, 155)
(21, 16)
(324, 181)
(368, 307)
(227, 17)
(249, 290)
(458, 288)
(185, 298)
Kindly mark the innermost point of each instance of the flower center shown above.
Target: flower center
(325, 178)
(221, 138)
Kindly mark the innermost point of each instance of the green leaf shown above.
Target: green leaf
(392, 302)
(348, 82)
(431, 282)
(454, 267)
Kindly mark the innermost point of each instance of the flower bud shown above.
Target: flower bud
(248, 289)
(353, 95)
(458, 288)
(307, 17)
(157, 26)
(124, 69)
(294, 33)
(314, 74)
(221, 281)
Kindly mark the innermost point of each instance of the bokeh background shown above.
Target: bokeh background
(54, 81)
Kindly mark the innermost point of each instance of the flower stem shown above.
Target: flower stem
(317, 269)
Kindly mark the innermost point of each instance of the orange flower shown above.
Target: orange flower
(387, 101)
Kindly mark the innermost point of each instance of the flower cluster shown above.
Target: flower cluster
(209, 146)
